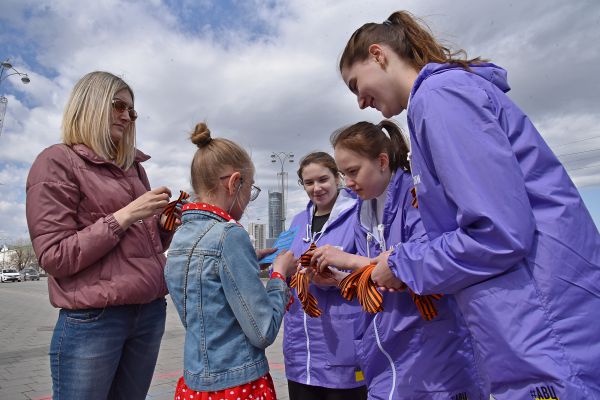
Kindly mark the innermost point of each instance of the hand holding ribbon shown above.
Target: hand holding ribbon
(171, 214)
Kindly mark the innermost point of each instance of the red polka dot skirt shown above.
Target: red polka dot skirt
(260, 389)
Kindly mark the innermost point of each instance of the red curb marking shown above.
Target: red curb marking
(168, 375)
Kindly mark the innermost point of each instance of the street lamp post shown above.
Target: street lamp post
(282, 157)
(7, 67)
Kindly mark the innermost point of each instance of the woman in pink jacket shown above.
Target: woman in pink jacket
(95, 229)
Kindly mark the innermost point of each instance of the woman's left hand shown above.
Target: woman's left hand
(329, 277)
(325, 256)
(177, 213)
(383, 277)
(261, 253)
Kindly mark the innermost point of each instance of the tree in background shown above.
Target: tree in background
(23, 255)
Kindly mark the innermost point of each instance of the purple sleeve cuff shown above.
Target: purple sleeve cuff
(393, 265)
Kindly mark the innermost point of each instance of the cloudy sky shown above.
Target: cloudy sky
(263, 73)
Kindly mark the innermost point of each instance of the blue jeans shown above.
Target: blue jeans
(107, 353)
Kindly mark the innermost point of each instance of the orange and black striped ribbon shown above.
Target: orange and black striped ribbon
(415, 202)
(301, 282)
(359, 284)
(169, 211)
(425, 304)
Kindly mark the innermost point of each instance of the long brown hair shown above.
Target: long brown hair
(370, 140)
(409, 37)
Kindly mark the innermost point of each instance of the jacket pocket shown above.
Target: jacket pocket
(554, 258)
(339, 339)
(512, 332)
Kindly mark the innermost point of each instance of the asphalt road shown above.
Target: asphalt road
(26, 323)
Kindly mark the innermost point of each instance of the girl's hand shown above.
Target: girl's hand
(285, 263)
(327, 255)
(383, 277)
(330, 277)
(148, 204)
(263, 253)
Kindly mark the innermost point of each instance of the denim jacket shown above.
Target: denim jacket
(229, 317)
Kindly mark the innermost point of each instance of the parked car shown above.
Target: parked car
(10, 275)
(30, 274)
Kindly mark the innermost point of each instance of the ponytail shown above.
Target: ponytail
(399, 148)
(370, 140)
(410, 38)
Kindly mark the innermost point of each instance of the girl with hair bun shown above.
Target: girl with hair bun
(212, 274)
(403, 356)
(510, 238)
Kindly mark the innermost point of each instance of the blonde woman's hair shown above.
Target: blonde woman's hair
(88, 115)
(213, 157)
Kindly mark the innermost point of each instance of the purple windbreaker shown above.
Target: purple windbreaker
(402, 355)
(320, 351)
(508, 234)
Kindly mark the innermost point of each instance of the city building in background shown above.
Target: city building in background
(276, 221)
(258, 235)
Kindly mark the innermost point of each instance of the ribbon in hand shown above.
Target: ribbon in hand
(301, 282)
(359, 284)
(169, 210)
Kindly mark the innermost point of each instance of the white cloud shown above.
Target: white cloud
(275, 92)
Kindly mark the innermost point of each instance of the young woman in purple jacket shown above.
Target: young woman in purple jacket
(319, 354)
(402, 355)
(95, 229)
(509, 236)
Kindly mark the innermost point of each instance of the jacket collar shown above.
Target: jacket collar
(488, 71)
(346, 200)
(88, 154)
(344, 204)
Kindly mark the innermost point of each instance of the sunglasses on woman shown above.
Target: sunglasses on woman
(121, 106)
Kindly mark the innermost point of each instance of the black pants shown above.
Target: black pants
(300, 391)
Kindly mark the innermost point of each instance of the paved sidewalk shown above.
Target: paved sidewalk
(26, 323)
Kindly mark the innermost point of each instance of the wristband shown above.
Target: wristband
(277, 275)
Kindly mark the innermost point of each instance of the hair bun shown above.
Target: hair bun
(201, 135)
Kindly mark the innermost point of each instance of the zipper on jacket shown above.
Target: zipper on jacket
(381, 229)
(369, 240)
(307, 351)
(386, 354)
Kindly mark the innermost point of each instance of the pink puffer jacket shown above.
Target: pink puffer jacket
(92, 262)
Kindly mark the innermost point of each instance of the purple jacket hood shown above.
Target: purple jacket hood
(488, 71)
